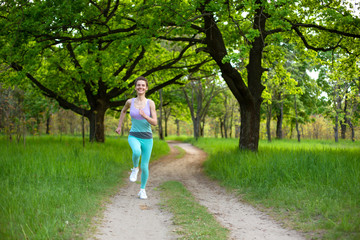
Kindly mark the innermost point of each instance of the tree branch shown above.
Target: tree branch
(112, 13)
(117, 91)
(346, 34)
(277, 30)
(182, 39)
(60, 39)
(312, 47)
(170, 63)
(133, 65)
(73, 57)
(49, 93)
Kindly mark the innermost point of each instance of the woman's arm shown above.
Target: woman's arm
(122, 115)
(153, 119)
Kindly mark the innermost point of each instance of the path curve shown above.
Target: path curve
(128, 217)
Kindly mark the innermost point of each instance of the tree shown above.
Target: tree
(87, 54)
(199, 93)
(338, 80)
(250, 27)
(224, 108)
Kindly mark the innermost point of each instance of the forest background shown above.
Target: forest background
(265, 69)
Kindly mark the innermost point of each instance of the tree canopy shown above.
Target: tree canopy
(86, 54)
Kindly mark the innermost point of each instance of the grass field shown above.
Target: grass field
(312, 186)
(52, 187)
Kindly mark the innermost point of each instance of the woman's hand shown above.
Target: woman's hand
(142, 113)
(118, 130)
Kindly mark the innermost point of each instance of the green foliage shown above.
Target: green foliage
(313, 184)
(52, 188)
(84, 52)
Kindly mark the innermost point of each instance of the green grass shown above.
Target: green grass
(181, 152)
(192, 219)
(52, 187)
(313, 186)
(178, 138)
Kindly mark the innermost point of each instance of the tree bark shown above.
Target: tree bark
(268, 122)
(177, 122)
(222, 128)
(202, 127)
(250, 126)
(48, 119)
(352, 131)
(280, 117)
(196, 125)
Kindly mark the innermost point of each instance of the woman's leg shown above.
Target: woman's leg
(136, 149)
(146, 148)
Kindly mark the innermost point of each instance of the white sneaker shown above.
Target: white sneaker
(142, 194)
(133, 175)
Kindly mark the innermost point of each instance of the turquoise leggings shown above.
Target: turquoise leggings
(141, 147)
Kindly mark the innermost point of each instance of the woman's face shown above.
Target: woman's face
(141, 87)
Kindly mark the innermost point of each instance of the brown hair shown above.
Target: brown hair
(142, 79)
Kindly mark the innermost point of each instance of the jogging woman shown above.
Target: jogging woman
(143, 113)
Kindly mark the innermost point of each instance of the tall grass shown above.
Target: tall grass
(314, 185)
(52, 187)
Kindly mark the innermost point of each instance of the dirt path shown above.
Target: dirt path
(128, 217)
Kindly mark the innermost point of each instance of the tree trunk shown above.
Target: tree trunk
(296, 120)
(166, 128)
(196, 124)
(280, 117)
(202, 127)
(248, 95)
(352, 131)
(250, 126)
(336, 129)
(96, 117)
(161, 134)
(48, 119)
(231, 121)
(343, 129)
(99, 125)
(177, 127)
(225, 118)
(337, 111)
(343, 123)
(268, 121)
(221, 128)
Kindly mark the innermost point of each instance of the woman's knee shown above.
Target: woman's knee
(136, 153)
(144, 166)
